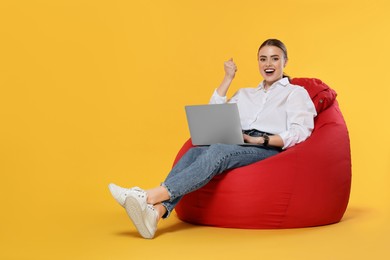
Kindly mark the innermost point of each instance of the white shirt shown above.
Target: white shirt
(284, 109)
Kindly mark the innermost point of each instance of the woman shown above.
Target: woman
(276, 115)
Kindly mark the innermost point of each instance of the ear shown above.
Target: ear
(285, 63)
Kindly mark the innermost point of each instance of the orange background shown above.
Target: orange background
(93, 92)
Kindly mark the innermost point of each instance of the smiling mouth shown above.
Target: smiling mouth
(269, 71)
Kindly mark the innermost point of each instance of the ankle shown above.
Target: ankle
(157, 195)
(161, 210)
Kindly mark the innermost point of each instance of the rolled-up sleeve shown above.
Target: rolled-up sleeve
(300, 118)
(217, 99)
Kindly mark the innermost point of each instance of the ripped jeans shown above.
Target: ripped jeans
(200, 164)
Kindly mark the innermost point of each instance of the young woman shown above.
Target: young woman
(276, 115)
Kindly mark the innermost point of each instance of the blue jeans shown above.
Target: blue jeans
(200, 164)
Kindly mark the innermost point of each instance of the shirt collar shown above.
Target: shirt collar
(282, 82)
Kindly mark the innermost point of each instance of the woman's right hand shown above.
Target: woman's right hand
(230, 68)
(230, 72)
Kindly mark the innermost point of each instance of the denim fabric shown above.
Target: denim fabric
(200, 164)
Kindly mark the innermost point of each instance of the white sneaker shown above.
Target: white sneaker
(120, 193)
(143, 215)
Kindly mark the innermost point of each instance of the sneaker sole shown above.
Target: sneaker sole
(134, 211)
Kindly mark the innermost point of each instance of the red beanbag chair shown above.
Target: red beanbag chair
(306, 185)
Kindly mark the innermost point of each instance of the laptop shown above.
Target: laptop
(216, 123)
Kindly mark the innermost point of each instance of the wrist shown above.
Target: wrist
(229, 77)
(265, 139)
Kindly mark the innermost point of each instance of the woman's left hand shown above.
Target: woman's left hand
(253, 140)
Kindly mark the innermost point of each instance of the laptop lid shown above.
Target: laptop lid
(216, 123)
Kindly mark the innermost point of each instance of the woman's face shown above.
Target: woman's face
(271, 64)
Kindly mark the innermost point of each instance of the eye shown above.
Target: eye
(262, 59)
(275, 58)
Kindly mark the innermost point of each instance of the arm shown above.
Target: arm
(274, 140)
(230, 72)
(300, 118)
